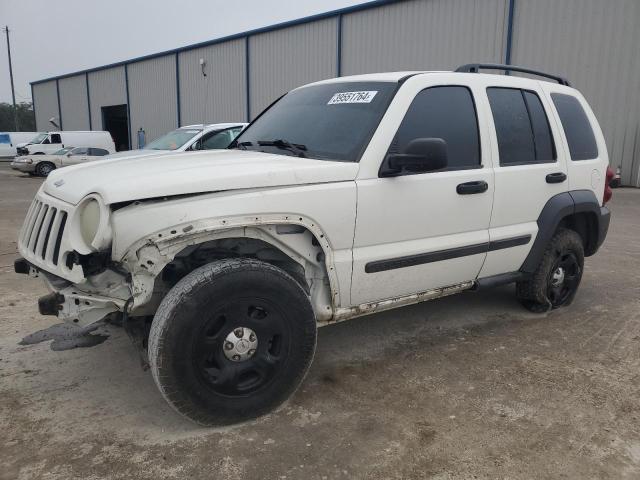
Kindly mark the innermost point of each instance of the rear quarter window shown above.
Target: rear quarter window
(576, 125)
(4, 138)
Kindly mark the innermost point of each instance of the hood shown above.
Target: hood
(135, 154)
(126, 179)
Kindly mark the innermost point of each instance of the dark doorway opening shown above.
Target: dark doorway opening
(115, 121)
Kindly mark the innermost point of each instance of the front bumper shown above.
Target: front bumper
(23, 167)
(68, 302)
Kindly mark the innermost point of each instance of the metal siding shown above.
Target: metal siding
(106, 87)
(287, 58)
(46, 99)
(152, 97)
(423, 35)
(220, 96)
(73, 103)
(595, 45)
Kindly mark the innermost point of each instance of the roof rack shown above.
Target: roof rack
(475, 68)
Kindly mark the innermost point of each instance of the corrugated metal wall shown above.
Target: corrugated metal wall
(423, 35)
(153, 104)
(73, 103)
(596, 45)
(106, 87)
(287, 58)
(45, 98)
(220, 96)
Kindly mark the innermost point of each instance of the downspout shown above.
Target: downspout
(507, 55)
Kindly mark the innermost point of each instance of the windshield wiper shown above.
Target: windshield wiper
(296, 148)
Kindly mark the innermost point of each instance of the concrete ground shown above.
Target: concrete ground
(471, 386)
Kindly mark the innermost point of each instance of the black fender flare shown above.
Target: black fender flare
(558, 208)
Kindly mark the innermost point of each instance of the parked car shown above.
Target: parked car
(43, 165)
(53, 141)
(345, 197)
(9, 141)
(188, 138)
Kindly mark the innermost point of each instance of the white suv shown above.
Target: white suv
(345, 197)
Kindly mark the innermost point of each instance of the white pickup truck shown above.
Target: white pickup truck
(346, 197)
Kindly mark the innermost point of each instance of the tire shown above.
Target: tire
(43, 169)
(231, 341)
(556, 280)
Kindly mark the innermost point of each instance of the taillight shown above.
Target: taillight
(608, 193)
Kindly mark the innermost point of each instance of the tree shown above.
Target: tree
(26, 117)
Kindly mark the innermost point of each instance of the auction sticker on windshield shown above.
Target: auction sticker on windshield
(352, 97)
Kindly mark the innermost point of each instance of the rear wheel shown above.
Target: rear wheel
(43, 169)
(555, 282)
(231, 341)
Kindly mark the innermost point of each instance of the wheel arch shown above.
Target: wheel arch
(576, 210)
(297, 238)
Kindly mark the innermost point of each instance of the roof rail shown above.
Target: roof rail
(475, 68)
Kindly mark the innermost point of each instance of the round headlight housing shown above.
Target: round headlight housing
(89, 221)
(91, 228)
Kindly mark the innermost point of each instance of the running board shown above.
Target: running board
(346, 313)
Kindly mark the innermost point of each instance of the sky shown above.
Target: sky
(50, 38)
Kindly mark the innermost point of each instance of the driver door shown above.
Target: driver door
(419, 231)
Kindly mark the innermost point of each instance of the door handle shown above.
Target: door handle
(557, 177)
(469, 188)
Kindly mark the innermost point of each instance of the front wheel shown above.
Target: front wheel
(555, 282)
(43, 169)
(231, 341)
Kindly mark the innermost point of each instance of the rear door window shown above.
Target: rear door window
(55, 138)
(98, 152)
(577, 129)
(522, 127)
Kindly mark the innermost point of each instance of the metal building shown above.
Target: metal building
(594, 43)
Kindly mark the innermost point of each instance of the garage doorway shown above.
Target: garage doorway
(115, 121)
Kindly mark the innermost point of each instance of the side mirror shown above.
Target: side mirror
(420, 156)
(69, 154)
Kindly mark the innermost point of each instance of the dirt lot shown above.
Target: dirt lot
(470, 386)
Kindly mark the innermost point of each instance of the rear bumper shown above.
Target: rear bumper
(603, 224)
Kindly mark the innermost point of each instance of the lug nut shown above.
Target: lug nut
(236, 357)
(252, 351)
(252, 338)
(238, 332)
(228, 346)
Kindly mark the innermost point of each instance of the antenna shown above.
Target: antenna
(203, 66)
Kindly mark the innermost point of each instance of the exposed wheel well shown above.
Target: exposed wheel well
(195, 256)
(292, 248)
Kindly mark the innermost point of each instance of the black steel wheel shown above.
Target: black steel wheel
(556, 280)
(231, 341)
(240, 348)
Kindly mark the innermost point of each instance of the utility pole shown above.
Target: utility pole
(13, 92)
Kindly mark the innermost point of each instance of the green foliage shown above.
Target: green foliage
(26, 117)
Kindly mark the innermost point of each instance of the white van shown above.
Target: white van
(10, 140)
(46, 143)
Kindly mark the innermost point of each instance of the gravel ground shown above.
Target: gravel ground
(470, 386)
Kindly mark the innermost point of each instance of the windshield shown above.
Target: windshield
(334, 121)
(40, 138)
(172, 140)
(62, 151)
